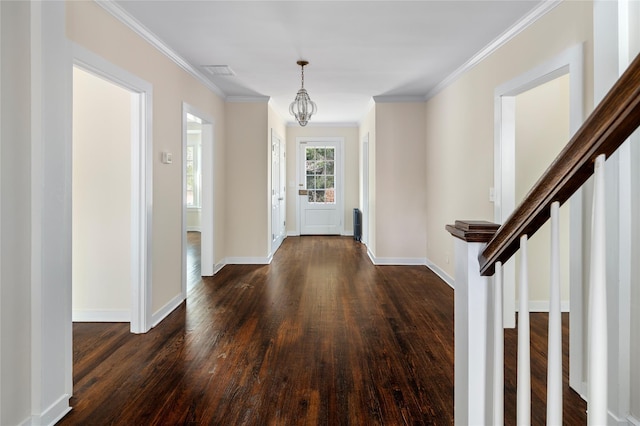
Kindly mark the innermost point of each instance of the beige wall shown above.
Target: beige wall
(400, 220)
(542, 130)
(101, 199)
(350, 135)
(93, 28)
(249, 181)
(459, 123)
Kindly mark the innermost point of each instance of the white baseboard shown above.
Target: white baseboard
(442, 274)
(399, 261)
(163, 312)
(218, 266)
(101, 316)
(52, 415)
(372, 257)
(193, 229)
(293, 234)
(632, 420)
(543, 306)
(347, 233)
(248, 260)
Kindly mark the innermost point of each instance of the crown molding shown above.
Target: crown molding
(248, 99)
(347, 124)
(501, 40)
(120, 14)
(397, 99)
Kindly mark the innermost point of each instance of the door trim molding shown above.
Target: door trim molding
(339, 140)
(142, 178)
(207, 189)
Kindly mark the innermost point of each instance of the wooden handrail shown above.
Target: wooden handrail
(608, 126)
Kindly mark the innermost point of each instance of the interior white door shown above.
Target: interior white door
(320, 187)
(277, 192)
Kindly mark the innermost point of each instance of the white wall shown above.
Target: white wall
(15, 180)
(101, 199)
(368, 128)
(194, 138)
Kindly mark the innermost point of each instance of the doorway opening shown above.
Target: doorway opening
(320, 186)
(197, 197)
(130, 196)
(101, 194)
(569, 65)
(278, 191)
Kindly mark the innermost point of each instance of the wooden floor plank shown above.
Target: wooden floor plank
(319, 336)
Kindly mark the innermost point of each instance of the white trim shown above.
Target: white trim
(513, 31)
(248, 99)
(142, 179)
(293, 234)
(120, 14)
(633, 420)
(218, 267)
(164, 312)
(207, 197)
(347, 233)
(52, 415)
(372, 257)
(398, 99)
(400, 261)
(248, 260)
(101, 316)
(543, 306)
(441, 273)
(346, 124)
(193, 229)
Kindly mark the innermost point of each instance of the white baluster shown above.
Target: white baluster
(498, 349)
(554, 369)
(597, 395)
(524, 361)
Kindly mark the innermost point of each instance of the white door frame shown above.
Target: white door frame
(141, 179)
(339, 179)
(569, 61)
(278, 234)
(207, 258)
(365, 190)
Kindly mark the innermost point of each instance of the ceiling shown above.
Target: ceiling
(356, 49)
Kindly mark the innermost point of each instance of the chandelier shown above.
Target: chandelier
(302, 108)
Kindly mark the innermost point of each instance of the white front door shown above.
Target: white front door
(277, 192)
(320, 186)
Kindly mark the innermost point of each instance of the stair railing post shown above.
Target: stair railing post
(473, 399)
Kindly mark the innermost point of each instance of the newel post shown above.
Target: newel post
(473, 325)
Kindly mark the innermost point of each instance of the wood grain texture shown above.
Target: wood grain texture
(473, 231)
(610, 124)
(319, 337)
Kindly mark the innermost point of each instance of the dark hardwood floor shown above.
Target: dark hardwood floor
(194, 275)
(320, 336)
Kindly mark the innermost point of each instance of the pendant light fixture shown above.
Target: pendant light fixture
(302, 108)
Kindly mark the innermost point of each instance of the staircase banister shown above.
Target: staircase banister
(609, 125)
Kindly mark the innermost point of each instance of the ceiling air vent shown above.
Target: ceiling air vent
(219, 70)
